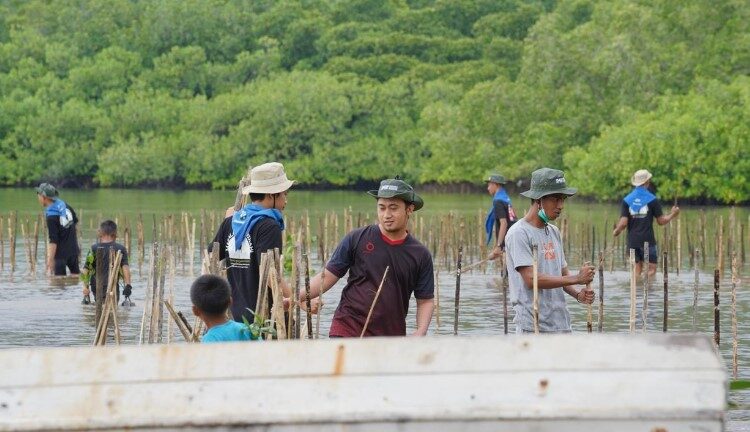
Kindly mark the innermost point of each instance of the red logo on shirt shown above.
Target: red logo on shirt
(369, 247)
(549, 251)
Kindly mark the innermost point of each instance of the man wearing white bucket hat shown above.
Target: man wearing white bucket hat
(254, 229)
(638, 211)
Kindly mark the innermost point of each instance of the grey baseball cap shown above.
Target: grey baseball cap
(397, 188)
(47, 190)
(496, 178)
(548, 181)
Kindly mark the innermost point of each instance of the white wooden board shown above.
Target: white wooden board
(563, 382)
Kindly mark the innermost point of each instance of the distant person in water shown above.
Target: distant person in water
(501, 215)
(107, 235)
(62, 250)
(637, 212)
(211, 299)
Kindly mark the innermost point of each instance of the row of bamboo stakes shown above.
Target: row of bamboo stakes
(442, 234)
(447, 236)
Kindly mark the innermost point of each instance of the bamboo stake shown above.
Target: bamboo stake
(307, 296)
(375, 300)
(37, 223)
(720, 248)
(298, 267)
(589, 307)
(2, 244)
(181, 325)
(458, 290)
(646, 281)
(735, 283)
(695, 290)
(535, 281)
(601, 292)
(703, 237)
(504, 277)
(632, 290)
(320, 302)
(437, 298)
(12, 219)
(666, 290)
(717, 329)
(679, 249)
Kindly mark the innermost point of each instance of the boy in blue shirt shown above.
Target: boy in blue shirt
(211, 298)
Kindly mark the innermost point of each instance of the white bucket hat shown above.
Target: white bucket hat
(268, 178)
(640, 177)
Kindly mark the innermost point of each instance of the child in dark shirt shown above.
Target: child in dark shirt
(107, 235)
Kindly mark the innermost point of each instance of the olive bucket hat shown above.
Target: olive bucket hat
(548, 181)
(496, 178)
(47, 190)
(397, 188)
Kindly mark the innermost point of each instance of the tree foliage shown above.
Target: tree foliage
(132, 93)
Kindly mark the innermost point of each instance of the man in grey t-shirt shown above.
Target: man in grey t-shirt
(548, 193)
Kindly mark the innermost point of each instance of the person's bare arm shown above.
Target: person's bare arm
(665, 219)
(621, 225)
(315, 285)
(425, 307)
(126, 274)
(496, 251)
(582, 295)
(545, 281)
(51, 251)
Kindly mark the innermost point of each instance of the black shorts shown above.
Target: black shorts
(652, 254)
(69, 262)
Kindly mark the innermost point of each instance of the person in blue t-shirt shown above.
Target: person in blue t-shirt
(211, 298)
(637, 213)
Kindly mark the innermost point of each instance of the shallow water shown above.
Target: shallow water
(37, 311)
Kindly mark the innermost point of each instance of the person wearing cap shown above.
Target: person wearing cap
(366, 253)
(637, 212)
(501, 215)
(254, 229)
(62, 251)
(547, 193)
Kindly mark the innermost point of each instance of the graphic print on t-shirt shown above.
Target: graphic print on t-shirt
(549, 251)
(638, 210)
(239, 257)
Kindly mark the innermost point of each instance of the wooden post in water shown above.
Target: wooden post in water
(601, 292)
(458, 290)
(679, 249)
(589, 307)
(2, 245)
(12, 220)
(666, 290)
(437, 298)
(307, 295)
(695, 290)
(717, 329)
(735, 283)
(703, 237)
(37, 223)
(720, 248)
(645, 265)
(504, 275)
(141, 242)
(632, 290)
(535, 286)
(100, 285)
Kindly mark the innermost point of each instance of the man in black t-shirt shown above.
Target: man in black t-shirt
(365, 253)
(637, 212)
(62, 250)
(107, 235)
(251, 231)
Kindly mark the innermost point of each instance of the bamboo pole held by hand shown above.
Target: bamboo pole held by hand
(458, 290)
(666, 291)
(632, 290)
(375, 300)
(535, 283)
